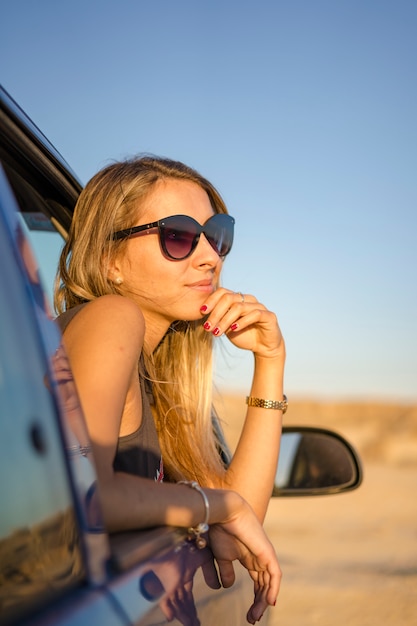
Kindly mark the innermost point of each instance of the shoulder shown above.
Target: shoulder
(112, 309)
(106, 307)
(109, 320)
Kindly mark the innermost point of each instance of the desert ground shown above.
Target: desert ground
(349, 559)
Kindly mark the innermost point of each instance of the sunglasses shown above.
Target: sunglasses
(180, 234)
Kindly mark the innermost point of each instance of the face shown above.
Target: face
(169, 290)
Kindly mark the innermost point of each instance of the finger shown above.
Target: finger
(167, 608)
(210, 575)
(267, 584)
(221, 301)
(232, 318)
(222, 295)
(274, 586)
(214, 299)
(257, 610)
(227, 573)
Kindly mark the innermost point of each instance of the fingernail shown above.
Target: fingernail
(216, 331)
(207, 325)
(203, 309)
(234, 326)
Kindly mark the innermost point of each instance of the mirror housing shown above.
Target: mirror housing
(315, 462)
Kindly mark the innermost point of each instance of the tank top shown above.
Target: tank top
(138, 453)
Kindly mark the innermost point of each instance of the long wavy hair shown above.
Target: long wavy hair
(180, 368)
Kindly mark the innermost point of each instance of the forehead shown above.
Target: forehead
(177, 197)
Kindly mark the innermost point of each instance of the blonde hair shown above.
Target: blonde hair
(181, 366)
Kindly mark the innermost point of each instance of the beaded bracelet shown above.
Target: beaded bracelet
(195, 532)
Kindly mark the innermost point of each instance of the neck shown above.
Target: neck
(155, 330)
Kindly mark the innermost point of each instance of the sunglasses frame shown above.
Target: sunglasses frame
(161, 224)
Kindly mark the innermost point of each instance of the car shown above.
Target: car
(58, 564)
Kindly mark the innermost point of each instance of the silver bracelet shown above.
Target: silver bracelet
(195, 532)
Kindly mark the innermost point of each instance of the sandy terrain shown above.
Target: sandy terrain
(349, 559)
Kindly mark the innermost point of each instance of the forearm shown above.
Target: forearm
(253, 467)
(235, 533)
(130, 502)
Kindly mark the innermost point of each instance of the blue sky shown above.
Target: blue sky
(302, 113)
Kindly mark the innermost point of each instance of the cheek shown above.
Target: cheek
(217, 272)
(141, 260)
(152, 276)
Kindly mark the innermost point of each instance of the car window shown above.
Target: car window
(40, 554)
(47, 244)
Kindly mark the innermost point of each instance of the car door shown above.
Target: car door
(41, 538)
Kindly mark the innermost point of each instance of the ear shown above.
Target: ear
(115, 276)
(112, 269)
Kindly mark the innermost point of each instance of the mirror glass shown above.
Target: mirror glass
(314, 462)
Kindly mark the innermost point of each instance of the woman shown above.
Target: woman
(138, 284)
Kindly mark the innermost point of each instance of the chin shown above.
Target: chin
(193, 314)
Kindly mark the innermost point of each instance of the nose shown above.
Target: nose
(204, 253)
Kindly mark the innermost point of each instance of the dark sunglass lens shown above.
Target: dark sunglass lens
(219, 232)
(178, 237)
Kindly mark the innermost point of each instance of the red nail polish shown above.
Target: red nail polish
(207, 325)
(234, 326)
(216, 331)
(203, 309)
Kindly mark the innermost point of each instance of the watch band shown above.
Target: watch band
(277, 405)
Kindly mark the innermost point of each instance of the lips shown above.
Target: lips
(202, 285)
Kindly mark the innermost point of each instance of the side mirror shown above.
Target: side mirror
(314, 462)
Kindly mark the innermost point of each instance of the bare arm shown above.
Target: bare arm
(250, 326)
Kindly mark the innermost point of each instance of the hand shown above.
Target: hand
(242, 538)
(180, 606)
(245, 321)
(170, 581)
